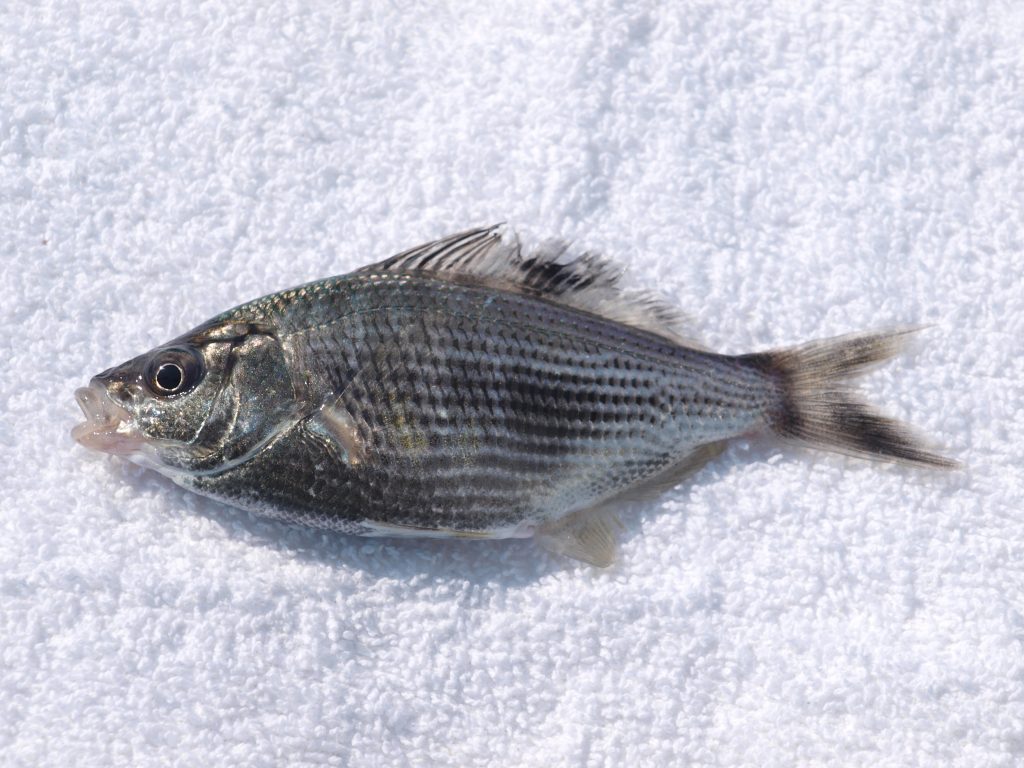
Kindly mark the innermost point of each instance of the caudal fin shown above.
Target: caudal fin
(819, 407)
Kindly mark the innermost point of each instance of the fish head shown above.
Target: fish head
(192, 405)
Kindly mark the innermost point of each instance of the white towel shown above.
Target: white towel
(783, 171)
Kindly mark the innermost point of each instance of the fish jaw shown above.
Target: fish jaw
(108, 426)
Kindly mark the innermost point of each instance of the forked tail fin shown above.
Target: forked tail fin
(818, 406)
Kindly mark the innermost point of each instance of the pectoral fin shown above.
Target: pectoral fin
(336, 424)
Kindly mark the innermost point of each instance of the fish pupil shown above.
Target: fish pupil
(169, 377)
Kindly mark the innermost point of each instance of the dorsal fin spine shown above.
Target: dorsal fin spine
(586, 282)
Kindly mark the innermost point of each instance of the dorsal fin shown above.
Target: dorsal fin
(584, 281)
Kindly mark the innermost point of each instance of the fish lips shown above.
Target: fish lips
(108, 426)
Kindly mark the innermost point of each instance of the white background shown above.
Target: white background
(783, 171)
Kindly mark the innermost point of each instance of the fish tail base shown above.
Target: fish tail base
(818, 406)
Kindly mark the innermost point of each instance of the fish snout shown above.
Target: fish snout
(108, 425)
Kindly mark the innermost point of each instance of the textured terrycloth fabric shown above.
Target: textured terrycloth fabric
(784, 171)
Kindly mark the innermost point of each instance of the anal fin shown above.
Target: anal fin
(672, 475)
(585, 535)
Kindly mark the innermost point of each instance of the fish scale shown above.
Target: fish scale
(466, 388)
(559, 440)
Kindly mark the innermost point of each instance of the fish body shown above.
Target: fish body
(466, 388)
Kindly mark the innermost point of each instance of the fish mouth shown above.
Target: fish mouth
(108, 426)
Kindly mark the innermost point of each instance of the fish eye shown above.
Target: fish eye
(169, 376)
(173, 371)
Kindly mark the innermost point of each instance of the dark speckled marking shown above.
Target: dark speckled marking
(479, 410)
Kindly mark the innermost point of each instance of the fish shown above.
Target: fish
(473, 388)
